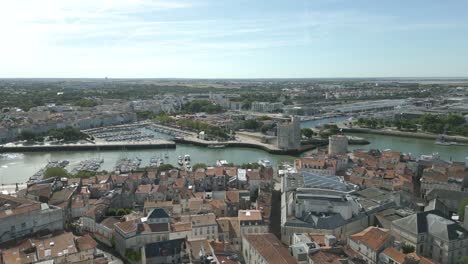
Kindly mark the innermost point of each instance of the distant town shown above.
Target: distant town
(234, 171)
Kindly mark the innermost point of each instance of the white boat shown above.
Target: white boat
(265, 163)
(221, 163)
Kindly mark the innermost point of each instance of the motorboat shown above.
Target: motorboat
(221, 163)
(265, 163)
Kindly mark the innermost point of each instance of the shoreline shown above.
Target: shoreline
(82, 147)
(419, 135)
(162, 145)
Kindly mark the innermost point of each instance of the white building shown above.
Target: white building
(22, 217)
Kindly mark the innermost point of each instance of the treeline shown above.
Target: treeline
(199, 106)
(197, 126)
(55, 172)
(66, 134)
(451, 124)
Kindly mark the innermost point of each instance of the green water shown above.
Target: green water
(415, 146)
(20, 168)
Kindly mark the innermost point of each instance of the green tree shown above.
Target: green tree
(246, 105)
(407, 248)
(307, 132)
(199, 166)
(132, 255)
(27, 135)
(461, 208)
(85, 103)
(143, 115)
(165, 167)
(111, 212)
(85, 174)
(251, 124)
(55, 172)
(113, 241)
(463, 260)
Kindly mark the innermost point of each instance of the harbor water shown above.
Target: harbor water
(18, 168)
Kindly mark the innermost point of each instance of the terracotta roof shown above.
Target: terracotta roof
(270, 248)
(128, 226)
(253, 174)
(196, 246)
(203, 219)
(326, 257)
(179, 183)
(394, 254)
(136, 175)
(85, 242)
(17, 206)
(41, 190)
(56, 245)
(249, 215)
(232, 196)
(119, 178)
(109, 222)
(219, 171)
(199, 174)
(145, 188)
(218, 203)
(317, 238)
(210, 171)
(152, 174)
(180, 227)
(231, 172)
(373, 237)
(195, 203)
(159, 227)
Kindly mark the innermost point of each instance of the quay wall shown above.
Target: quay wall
(42, 148)
(247, 145)
(404, 134)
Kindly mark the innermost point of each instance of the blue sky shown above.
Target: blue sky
(233, 39)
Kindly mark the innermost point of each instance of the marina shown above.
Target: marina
(27, 163)
(88, 165)
(126, 165)
(39, 175)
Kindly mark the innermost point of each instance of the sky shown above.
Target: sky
(233, 39)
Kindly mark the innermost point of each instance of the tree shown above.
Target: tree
(198, 106)
(407, 248)
(463, 260)
(246, 105)
(86, 103)
(461, 208)
(55, 172)
(142, 115)
(199, 166)
(84, 174)
(132, 255)
(27, 135)
(251, 124)
(165, 167)
(113, 241)
(307, 132)
(111, 212)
